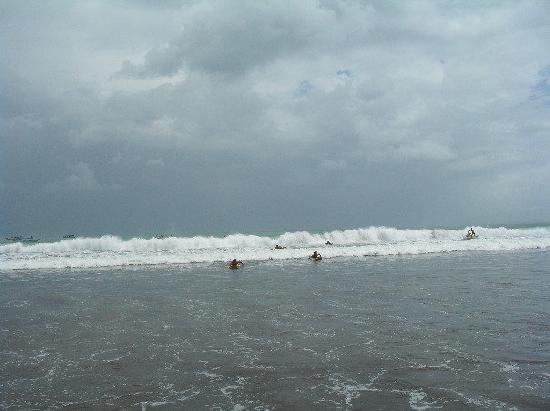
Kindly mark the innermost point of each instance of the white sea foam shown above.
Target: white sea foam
(418, 402)
(505, 367)
(107, 251)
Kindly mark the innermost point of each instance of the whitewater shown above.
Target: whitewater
(114, 251)
(389, 319)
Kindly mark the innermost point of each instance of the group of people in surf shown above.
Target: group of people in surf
(234, 264)
(317, 257)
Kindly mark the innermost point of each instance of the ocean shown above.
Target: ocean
(389, 319)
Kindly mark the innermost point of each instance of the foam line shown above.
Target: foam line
(109, 251)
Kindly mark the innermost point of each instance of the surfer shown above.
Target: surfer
(278, 247)
(328, 243)
(471, 234)
(235, 264)
(315, 256)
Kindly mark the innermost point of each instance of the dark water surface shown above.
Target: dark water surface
(451, 331)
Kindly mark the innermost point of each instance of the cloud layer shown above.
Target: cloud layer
(201, 116)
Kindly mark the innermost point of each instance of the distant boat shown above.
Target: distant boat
(69, 236)
(17, 238)
(162, 236)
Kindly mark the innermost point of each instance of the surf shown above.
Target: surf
(110, 250)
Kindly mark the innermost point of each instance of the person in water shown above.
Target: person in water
(278, 247)
(328, 243)
(235, 263)
(315, 256)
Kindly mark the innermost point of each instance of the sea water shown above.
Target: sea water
(389, 319)
(114, 251)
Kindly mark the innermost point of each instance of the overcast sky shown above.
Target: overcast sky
(218, 116)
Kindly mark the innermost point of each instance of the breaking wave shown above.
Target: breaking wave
(109, 250)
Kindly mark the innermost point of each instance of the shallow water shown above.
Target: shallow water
(453, 330)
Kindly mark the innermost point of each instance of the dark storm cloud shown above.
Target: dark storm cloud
(125, 117)
(221, 38)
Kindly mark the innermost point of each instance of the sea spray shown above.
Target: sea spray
(111, 250)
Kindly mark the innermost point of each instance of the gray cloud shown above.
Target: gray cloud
(204, 116)
(80, 178)
(221, 38)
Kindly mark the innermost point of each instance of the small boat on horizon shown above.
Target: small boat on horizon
(17, 238)
(162, 236)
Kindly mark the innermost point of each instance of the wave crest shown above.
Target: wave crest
(111, 250)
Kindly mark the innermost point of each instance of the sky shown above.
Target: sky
(127, 117)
